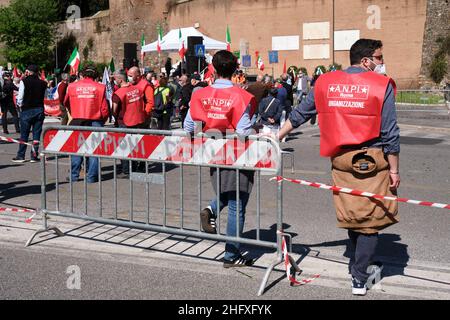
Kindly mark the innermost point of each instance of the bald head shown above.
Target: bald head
(134, 75)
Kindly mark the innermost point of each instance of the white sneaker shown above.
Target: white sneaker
(358, 288)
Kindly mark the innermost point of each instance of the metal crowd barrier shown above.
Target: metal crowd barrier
(150, 148)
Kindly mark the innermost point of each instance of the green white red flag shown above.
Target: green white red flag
(259, 62)
(160, 36)
(74, 62)
(228, 39)
(142, 48)
(182, 49)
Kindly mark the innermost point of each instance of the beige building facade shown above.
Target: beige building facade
(304, 33)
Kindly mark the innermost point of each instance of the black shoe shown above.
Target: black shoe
(208, 221)
(18, 160)
(68, 180)
(5, 132)
(35, 160)
(240, 262)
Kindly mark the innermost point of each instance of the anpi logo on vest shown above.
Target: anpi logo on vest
(348, 91)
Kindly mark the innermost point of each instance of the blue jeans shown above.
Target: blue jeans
(92, 163)
(232, 249)
(31, 119)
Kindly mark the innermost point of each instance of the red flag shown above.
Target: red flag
(16, 73)
(285, 67)
(209, 75)
(43, 75)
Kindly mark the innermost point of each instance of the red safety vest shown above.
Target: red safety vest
(143, 84)
(86, 98)
(350, 109)
(133, 107)
(221, 109)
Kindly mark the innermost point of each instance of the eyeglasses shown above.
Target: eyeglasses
(378, 57)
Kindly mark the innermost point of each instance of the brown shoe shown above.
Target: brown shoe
(208, 221)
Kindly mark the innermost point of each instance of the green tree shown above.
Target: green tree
(27, 28)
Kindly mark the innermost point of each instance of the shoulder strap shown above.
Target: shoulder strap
(270, 104)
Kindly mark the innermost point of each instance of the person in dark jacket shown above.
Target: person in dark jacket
(186, 94)
(270, 111)
(31, 101)
(7, 103)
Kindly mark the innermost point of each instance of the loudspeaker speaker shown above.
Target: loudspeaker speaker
(192, 64)
(192, 42)
(130, 55)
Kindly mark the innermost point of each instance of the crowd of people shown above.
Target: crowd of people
(359, 130)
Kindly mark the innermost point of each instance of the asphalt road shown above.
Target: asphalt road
(119, 263)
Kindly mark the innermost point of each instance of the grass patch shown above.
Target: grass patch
(420, 98)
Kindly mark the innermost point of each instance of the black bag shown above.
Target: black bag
(160, 106)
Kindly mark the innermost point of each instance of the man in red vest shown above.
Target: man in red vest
(135, 78)
(87, 104)
(224, 107)
(129, 109)
(359, 132)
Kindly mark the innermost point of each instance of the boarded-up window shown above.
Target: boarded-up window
(345, 39)
(286, 43)
(316, 31)
(316, 52)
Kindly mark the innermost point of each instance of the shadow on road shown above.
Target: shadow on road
(11, 190)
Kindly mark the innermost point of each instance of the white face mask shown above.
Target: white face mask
(380, 68)
(130, 80)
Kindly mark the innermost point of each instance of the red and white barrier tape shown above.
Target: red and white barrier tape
(287, 263)
(364, 194)
(13, 210)
(15, 141)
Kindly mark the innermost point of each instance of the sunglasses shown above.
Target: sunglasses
(378, 57)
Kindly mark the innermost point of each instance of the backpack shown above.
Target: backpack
(160, 106)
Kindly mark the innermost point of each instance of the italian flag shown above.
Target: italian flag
(228, 39)
(182, 49)
(74, 62)
(259, 62)
(160, 36)
(142, 47)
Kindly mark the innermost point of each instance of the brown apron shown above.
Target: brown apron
(364, 170)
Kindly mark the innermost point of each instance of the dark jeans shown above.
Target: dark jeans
(91, 163)
(164, 122)
(124, 163)
(228, 199)
(31, 119)
(364, 246)
(9, 107)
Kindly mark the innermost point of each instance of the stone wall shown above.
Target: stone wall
(97, 29)
(437, 25)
